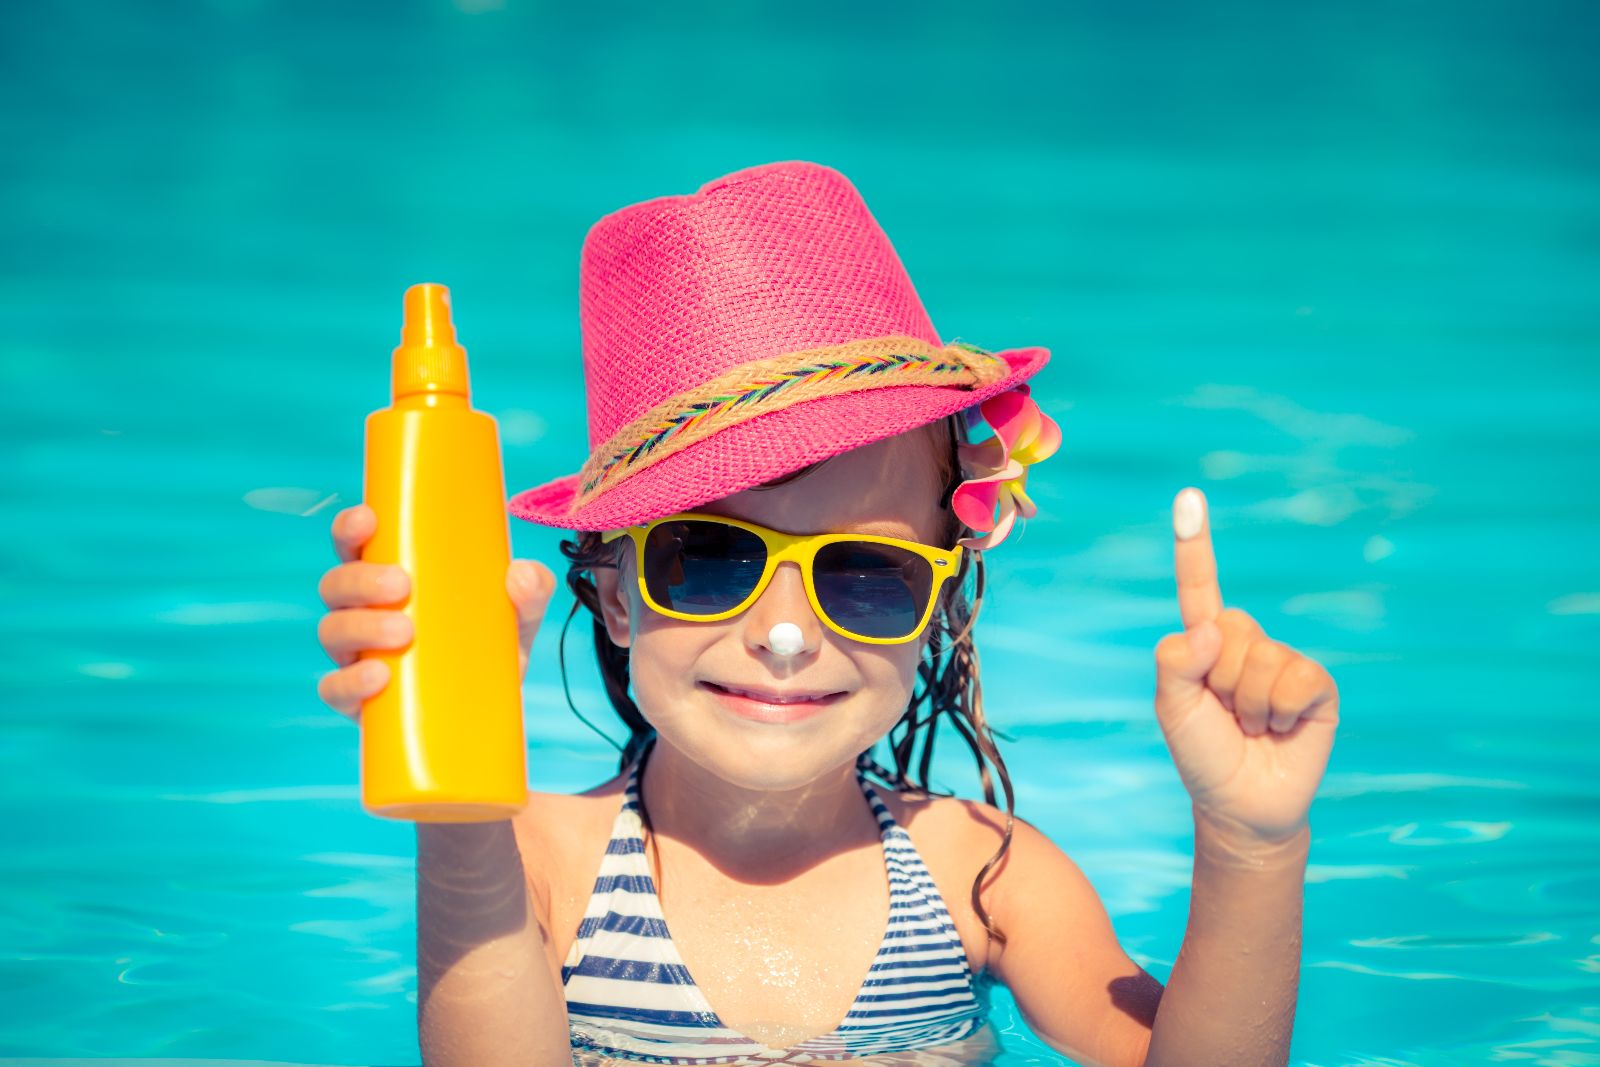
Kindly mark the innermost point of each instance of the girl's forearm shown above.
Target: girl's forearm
(485, 994)
(1231, 996)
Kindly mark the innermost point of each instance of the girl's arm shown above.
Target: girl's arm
(1080, 993)
(1250, 723)
(487, 992)
(1231, 996)
(489, 986)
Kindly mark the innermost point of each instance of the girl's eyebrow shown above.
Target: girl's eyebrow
(880, 528)
(871, 527)
(784, 479)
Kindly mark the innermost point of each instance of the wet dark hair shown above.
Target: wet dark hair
(947, 678)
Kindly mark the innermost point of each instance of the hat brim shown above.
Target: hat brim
(766, 447)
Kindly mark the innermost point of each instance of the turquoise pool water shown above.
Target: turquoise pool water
(1338, 268)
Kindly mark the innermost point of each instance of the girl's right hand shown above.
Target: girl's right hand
(363, 596)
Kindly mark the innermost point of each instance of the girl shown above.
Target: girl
(774, 534)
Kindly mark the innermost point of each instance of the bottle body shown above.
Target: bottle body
(443, 741)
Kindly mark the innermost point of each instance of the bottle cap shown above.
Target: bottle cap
(429, 360)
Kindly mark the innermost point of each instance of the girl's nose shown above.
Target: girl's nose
(782, 613)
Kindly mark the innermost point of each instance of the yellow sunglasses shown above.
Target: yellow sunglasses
(705, 568)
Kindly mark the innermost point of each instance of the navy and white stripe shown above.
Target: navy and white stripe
(630, 996)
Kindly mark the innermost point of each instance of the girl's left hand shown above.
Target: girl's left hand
(1249, 721)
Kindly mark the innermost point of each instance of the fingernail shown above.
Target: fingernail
(1188, 514)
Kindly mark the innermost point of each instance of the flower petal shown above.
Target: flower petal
(974, 501)
(996, 495)
(1043, 444)
(1012, 415)
(984, 458)
(1023, 502)
(1008, 516)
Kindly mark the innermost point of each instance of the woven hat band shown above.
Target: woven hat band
(774, 383)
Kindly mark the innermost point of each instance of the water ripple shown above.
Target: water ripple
(1536, 937)
(1464, 832)
(1327, 872)
(1361, 783)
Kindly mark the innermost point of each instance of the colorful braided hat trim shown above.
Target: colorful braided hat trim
(772, 384)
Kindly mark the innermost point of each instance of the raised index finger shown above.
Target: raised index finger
(1199, 597)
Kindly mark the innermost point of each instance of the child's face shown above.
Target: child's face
(890, 487)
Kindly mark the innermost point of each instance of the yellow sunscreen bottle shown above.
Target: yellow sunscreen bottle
(443, 741)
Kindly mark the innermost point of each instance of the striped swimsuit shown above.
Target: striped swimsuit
(629, 995)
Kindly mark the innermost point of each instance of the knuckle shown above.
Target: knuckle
(545, 579)
(1237, 620)
(367, 584)
(392, 581)
(344, 537)
(530, 581)
(327, 631)
(1302, 680)
(330, 688)
(1265, 653)
(1302, 671)
(376, 585)
(395, 627)
(342, 585)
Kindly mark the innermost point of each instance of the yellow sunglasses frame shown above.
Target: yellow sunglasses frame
(801, 550)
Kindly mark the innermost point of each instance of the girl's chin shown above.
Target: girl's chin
(760, 756)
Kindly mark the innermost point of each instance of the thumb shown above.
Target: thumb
(530, 584)
(1182, 662)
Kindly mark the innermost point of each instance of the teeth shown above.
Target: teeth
(766, 698)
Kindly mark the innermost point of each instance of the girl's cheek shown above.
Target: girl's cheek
(895, 674)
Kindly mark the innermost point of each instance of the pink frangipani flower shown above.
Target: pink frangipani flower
(1023, 435)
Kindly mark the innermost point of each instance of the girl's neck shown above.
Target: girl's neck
(753, 835)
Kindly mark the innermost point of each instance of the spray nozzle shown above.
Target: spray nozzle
(429, 360)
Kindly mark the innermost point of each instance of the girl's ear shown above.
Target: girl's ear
(615, 604)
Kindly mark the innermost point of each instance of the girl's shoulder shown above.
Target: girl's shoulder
(558, 832)
(956, 837)
(943, 819)
(562, 816)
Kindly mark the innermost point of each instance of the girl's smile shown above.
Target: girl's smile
(764, 704)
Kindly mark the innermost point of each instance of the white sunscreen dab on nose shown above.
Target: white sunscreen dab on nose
(785, 639)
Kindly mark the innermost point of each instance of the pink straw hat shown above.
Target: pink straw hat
(738, 334)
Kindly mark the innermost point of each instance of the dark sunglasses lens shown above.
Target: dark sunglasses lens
(873, 590)
(701, 568)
